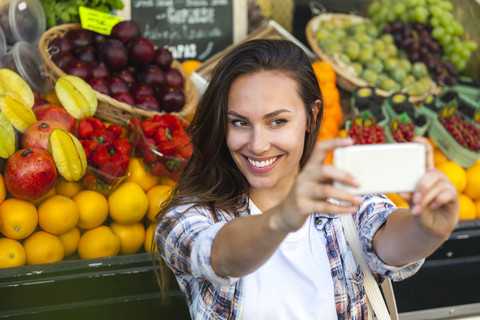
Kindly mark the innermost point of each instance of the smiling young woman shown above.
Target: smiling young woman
(251, 232)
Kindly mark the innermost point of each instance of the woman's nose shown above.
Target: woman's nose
(259, 141)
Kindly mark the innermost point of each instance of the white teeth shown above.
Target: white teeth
(262, 164)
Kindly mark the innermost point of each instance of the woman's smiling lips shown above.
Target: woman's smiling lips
(261, 165)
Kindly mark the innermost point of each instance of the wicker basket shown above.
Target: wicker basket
(346, 77)
(108, 108)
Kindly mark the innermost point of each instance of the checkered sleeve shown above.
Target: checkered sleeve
(370, 217)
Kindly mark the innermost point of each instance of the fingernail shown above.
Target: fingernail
(355, 182)
(358, 199)
(417, 196)
(416, 209)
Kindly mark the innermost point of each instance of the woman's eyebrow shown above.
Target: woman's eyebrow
(267, 116)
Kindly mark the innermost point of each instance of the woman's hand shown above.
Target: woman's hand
(434, 203)
(314, 187)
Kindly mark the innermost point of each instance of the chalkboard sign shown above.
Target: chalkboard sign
(191, 29)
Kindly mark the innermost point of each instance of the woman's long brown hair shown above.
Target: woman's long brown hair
(210, 177)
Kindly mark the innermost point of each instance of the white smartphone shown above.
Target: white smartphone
(382, 168)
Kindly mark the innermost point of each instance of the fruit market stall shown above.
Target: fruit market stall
(104, 117)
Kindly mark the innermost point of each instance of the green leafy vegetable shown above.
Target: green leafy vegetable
(66, 11)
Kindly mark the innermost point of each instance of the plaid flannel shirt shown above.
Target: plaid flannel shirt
(185, 241)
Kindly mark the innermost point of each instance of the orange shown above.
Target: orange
(438, 156)
(93, 208)
(12, 253)
(149, 245)
(156, 196)
(334, 112)
(3, 189)
(397, 200)
(99, 242)
(167, 181)
(455, 173)
(58, 214)
(67, 188)
(472, 188)
(132, 236)
(329, 158)
(19, 218)
(138, 174)
(190, 65)
(50, 193)
(43, 247)
(467, 208)
(342, 133)
(324, 72)
(70, 241)
(328, 129)
(128, 203)
(330, 94)
(477, 208)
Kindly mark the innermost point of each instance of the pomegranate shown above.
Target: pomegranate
(30, 173)
(36, 135)
(57, 113)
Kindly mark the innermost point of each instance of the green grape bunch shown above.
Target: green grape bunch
(362, 50)
(436, 15)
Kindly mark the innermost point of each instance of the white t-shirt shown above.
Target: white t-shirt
(295, 283)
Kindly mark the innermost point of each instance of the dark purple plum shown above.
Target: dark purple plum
(163, 58)
(78, 68)
(174, 77)
(79, 37)
(147, 102)
(141, 51)
(98, 39)
(141, 89)
(59, 46)
(114, 54)
(101, 85)
(124, 97)
(153, 76)
(126, 76)
(61, 60)
(99, 70)
(125, 31)
(171, 98)
(117, 85)
(86, 54)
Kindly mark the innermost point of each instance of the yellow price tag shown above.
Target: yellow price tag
(97, 21)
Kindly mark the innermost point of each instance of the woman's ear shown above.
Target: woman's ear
(311, 125)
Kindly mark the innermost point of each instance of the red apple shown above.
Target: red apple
(30, 174)
(36, 135)
(57, 113)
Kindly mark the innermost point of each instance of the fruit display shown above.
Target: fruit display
(123, 65)
(76, 185)
(365, 56)
(163, 145)
(365, 99)
(69, 191)
(364, 130)
(466, 134)
(402, 128)
(439, 29)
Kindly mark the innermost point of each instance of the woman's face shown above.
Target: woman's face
(266, 128)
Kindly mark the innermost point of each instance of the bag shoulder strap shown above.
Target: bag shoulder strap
(372, 289)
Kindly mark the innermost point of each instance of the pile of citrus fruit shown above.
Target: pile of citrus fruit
(72, 222)
(466, 181)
